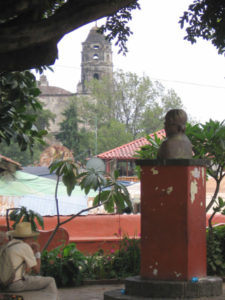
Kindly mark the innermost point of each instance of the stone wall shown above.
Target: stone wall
(57, 104)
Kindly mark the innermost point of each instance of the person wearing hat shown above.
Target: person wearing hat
(26, 253)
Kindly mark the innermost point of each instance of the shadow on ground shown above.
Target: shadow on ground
(90, 292)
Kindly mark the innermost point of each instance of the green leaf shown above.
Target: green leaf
(40, 220)
(69, 180)
(101, 197)
(221, 202)
(92, 180)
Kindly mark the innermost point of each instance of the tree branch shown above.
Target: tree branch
(68, 220)
(9, 8)
(214, 195)
(30, 44)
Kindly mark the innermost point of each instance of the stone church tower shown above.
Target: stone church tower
(96, 61)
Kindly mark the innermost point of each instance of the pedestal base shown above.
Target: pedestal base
(137, 288)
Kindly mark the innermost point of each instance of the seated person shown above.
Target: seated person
(177, 145)
(26, 255)
(3, 238)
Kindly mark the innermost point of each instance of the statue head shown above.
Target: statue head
(176, 145)
(175, 121)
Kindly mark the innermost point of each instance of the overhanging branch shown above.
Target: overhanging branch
(30, 44)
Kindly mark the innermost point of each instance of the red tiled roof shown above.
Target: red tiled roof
(128, 151)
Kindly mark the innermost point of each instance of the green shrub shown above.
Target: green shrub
(70, 267)
(117, 264)
(99, 266)
(216, 251)
(65, 264)
(126, 260)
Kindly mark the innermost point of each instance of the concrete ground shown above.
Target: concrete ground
(91, 292)
(87, 292)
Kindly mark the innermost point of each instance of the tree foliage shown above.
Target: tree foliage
(43, 118)
(208, 142)
(74, 135)
(23, 118)
(112, 135)
(25, 158)
(116, 26)
(30, 29)
(153, 117)
(137, 102)
(150, 150)
(84, 138)
(115, 197)
(116, 111)
(18, 96)
(206, 19)
(69, 134)
(134, 95)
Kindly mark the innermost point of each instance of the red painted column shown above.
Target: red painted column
(173, 218)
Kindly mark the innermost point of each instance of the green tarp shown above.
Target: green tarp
(38, 193)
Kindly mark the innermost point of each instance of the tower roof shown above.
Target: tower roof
(95, 37)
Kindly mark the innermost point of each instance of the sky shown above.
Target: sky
(157, 49)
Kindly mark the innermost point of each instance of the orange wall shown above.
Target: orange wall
(93, 232)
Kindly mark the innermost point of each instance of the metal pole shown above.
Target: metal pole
(96, 135)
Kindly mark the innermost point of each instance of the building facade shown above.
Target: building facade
(54, 99)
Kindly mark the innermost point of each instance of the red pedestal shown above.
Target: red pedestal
(173, 218)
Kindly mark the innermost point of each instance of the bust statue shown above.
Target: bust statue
(177, 145)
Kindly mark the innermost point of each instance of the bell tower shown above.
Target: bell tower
(96, 61)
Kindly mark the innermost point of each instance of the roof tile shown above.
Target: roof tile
(128, 151)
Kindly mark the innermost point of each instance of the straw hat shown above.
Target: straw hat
(23, 230)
